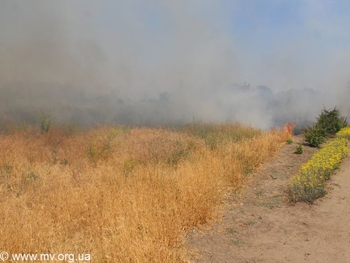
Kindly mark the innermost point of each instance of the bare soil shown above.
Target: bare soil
(259, 224)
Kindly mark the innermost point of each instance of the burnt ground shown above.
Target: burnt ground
(259, 224)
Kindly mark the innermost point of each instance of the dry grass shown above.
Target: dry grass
(122, 195)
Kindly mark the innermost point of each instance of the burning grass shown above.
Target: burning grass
(120, 194)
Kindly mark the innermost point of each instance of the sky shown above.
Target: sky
(192, 50)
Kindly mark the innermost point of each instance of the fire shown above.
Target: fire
(289, 127)
(284, 132)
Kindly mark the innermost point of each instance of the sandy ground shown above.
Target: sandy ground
(260, 225)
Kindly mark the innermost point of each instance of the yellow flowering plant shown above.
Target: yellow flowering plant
(344, 133)
(308, 184)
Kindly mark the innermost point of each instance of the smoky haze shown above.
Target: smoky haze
(166, 62)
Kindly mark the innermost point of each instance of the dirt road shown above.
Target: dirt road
(261, 226)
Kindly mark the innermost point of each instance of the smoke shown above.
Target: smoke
(164, 62)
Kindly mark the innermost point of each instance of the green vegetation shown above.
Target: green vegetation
(308, 184)
(314, 136)
(328, 124)
(299, 149)
(289, 141)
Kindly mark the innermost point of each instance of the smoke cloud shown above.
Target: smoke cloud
(262, 63)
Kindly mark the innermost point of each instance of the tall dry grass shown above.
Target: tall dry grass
(122, 195)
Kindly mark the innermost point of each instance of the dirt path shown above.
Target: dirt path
(260, 225)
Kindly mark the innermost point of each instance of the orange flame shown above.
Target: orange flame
(289, 127)
(284, 132)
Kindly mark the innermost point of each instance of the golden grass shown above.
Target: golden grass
(122, 195)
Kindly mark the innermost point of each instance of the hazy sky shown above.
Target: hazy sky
(190, 48)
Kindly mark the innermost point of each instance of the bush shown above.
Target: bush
(289, 141)
(299, 149)
(308, 184)
(330, 122)
(314, 136)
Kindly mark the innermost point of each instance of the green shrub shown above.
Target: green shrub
(289, 141)
(299, 149)
(330, 122)
(314, 136)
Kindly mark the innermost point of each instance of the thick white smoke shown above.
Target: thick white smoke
(155, 61)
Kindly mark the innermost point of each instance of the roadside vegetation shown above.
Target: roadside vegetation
(344, 133)
(309, 183)
(328, 124)
(121, 194)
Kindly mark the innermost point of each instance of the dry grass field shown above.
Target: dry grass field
(120, 194)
